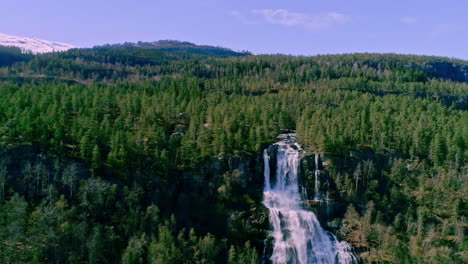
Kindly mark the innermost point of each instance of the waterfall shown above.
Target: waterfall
(297, 235)
(266, 170)
(317, 178)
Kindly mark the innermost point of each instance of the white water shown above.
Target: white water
(317, 178)
(298, 236)
(266, 170)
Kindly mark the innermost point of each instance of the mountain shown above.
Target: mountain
(182, 46)
(136, 153)
(33, 45)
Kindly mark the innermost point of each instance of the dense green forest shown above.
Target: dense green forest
(137, 153)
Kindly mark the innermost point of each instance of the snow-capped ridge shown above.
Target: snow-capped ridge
(33, 45)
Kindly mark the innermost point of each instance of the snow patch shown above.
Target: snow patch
(33, 45)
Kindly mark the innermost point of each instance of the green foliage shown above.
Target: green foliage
(12, 55)
(245, 254)
(135, 251)
(144, 123)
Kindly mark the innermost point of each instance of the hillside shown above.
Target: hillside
(181, 46)
(33, 45)
(154, 153)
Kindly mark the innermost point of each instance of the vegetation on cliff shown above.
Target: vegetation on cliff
(123, 142)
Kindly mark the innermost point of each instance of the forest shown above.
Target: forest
(139, 154)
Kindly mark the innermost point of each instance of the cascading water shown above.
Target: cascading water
(297, 235)
(317, 178)
(266, 170)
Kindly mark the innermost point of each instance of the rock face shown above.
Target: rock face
(322, 193)
(316, 186)
(289, 138)
(320, 188)
(331, 203)
(223, 195)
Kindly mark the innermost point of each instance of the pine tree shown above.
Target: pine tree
(135, 251)
(84, 142)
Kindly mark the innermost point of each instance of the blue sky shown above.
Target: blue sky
(304, 27)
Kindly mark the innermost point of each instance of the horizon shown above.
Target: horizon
(252, 53)
(301, 28)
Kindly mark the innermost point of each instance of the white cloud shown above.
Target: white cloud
(281, 17)
(408, 20)
(288, 18)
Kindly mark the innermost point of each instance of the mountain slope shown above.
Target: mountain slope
(182, 46)
(33, 45)
(122, 154)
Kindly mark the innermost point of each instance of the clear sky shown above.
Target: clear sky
(304, 27)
